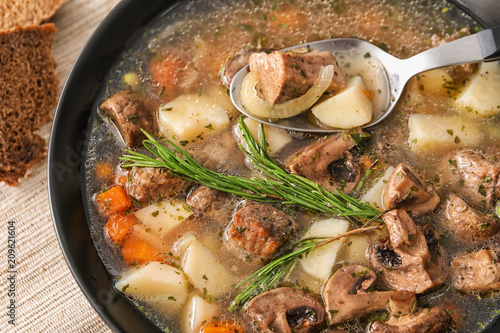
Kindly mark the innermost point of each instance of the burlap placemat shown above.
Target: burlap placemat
(47, 298)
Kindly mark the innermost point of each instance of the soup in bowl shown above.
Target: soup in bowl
(209, 222)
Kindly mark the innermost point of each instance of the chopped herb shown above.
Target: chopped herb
(125, 287)
(482, 190)
(155, 213)
(450, 132)
(367, 55)
(210, 127)
(453, 162)
(457, 140)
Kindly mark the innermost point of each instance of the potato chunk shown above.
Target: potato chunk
(196, 313)
(374, 196)
(188, 117)
(348, 109)
(162, 217)
(482, 95)
(431, 133)
(319, 262)
(205, 271)
(161, 286)
(276, 138)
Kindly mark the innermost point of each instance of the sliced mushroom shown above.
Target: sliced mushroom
(285, 309)
(404, 319)
(329, 163)
(478, 271)
(405, 189)
(404, 259)
(347, 294)
(469, 225)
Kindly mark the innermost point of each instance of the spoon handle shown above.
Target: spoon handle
(489, 40)
(483, 46)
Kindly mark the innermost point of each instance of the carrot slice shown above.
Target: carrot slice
(222, 328)
(118, 226)
(167, 71)
(104, 170)
(113, 200)
(136, 251)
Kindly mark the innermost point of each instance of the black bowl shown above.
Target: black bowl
(68, 141)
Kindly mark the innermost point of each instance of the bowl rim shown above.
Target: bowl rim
(64, 163)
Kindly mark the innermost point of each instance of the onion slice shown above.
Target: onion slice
(261, 108)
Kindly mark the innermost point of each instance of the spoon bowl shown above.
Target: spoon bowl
(381, 72)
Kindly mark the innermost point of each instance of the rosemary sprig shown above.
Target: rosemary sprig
(278, 186)
(266, 277)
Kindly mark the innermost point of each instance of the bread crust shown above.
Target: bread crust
(26, 12)
(28, 92)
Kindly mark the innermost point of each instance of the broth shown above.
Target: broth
(203, 36)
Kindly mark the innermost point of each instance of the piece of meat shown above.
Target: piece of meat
(405, 189)
(479, 177)
(131, 112)
(152, 184)
(215, 204)
(405, 260)
(260, 229)
(236, 63)
(288, 75)
(478, 271)
(469, 226)
(328, 163)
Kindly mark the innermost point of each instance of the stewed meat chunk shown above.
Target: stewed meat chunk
(236, 63)
(215, 204)
(469, 225)
(131, 112)
(260, 229)
(329, 163)
(152, 184)
(479, 178)
(405, 189)
(288, 75)
(478, 271)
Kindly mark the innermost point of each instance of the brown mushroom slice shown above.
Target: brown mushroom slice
(131, 112)
(346, 294)
(153, 184)
(405, 189)
(480, 178)
(328, 163)
(404, 260)
(469, 225)
(478, 271)
(284, 310)
(432, 320)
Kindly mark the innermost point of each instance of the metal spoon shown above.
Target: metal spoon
(386, 74)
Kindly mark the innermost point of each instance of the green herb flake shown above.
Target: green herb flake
(155, 213)
(482, 190)
(125, 287)
(367, 55)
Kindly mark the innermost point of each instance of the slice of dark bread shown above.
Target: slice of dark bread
(15, 13)
(28, 92)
